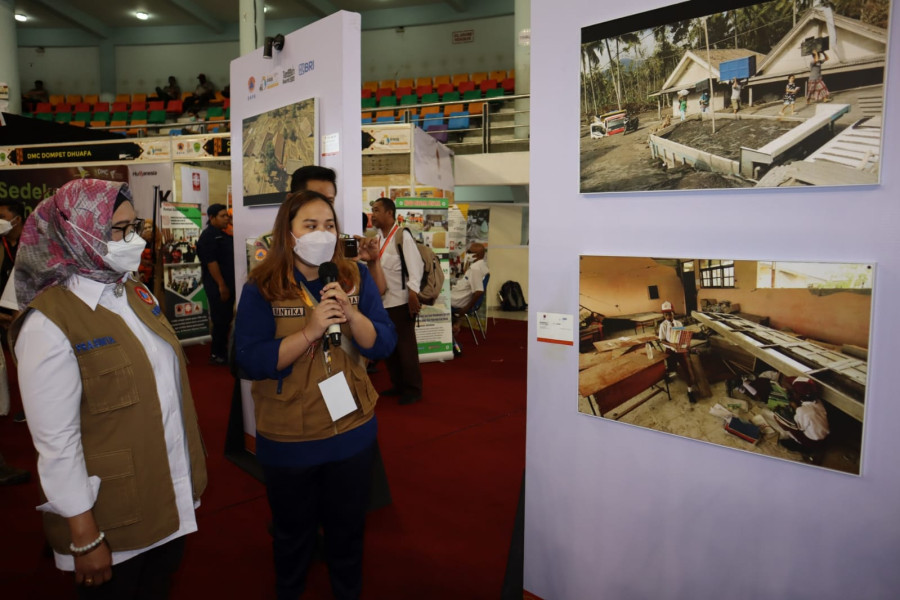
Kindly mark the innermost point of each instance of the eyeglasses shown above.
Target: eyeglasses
(129, 231)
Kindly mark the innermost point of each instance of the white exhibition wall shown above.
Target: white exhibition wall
(614, 511)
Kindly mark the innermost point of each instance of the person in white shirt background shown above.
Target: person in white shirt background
(77, 251)
(675, 357)
(468, 289)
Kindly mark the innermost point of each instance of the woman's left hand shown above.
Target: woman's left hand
(334, 290)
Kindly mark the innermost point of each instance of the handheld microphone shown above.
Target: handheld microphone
(328, 272)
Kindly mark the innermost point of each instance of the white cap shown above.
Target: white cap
(667, 306)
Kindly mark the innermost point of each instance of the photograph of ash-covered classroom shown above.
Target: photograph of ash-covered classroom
(764, 356)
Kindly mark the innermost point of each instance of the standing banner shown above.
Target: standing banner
(185, 301)
(428, 220)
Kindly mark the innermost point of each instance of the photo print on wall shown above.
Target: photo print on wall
(277, 143)
(764, 356)
(734, 94)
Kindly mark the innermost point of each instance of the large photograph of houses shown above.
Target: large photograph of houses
(755, 94)
(764, 356)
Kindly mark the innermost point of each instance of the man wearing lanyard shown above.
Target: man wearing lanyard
(401, 301)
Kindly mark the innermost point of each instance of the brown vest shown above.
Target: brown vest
(121, 420)
(292, 409)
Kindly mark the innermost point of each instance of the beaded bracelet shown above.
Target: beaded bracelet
(82, 550)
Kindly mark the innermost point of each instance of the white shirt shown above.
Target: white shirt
(396, 294)
(665, 329)
(53, 409)
(466, 286)
(812, 419)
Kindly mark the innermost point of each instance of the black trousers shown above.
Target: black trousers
(403, 363)
(221, 314)
(334, 496)
(147, 576)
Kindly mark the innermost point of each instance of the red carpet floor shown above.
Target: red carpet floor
(454, 464)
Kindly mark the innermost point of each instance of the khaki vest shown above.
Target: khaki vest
(292, 409)
(121, 420)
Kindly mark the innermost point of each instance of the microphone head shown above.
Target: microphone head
(328, 272)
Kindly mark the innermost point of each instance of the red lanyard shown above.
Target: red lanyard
(387, 240)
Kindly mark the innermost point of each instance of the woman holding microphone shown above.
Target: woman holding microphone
(305, 320)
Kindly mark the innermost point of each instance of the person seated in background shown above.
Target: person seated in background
(203, 93)
(676, 356)
(37, 94)
(170, 92)
(468, 289)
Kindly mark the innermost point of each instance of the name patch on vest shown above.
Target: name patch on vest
(91, 344)
(288, 311)
(354, 300)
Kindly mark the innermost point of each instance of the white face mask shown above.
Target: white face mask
(5, 226)
(123, 256)
(315, 248)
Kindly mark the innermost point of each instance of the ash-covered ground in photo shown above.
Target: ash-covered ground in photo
(730, 134)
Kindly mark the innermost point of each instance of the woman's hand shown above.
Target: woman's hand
(329, 311)
(95, 567)
(334, 291)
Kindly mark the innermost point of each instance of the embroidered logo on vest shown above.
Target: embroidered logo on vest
(354, 300)
(144, 295)
(91, 344)
(288, 311)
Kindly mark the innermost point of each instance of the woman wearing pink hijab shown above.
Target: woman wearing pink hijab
(106, 395)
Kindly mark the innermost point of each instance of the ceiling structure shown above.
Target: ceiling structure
(103, 19)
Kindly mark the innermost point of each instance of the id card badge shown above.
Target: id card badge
(338, 397)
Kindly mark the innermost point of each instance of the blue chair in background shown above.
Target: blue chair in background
(473, 312)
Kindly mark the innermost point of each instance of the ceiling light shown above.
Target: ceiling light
(265, 8)
(142, 15)
(21, 18)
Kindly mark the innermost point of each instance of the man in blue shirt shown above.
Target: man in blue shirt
(215, 249)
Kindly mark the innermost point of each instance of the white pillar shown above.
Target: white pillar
(253, 26)
(9, 56)
(522, 21)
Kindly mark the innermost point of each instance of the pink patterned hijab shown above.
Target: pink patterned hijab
(51, 250)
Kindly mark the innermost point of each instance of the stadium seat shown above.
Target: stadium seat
(156, 105)
(387, 84)
(477, 78)
(369, 103)
(382, 92)
(442, 79)
(423, 89)
(371, 86)
(44, 116)
(459, 78)
(57, 99)
(458, 120)
(444, 88)
(465, 86)
(83, 116)
(385, 116)
(498, 75)
(430, 115)
(494, 93)
(366, 93)
(157, 117)
(62, 108)
(120, 115)
(488, 84)
(120, 125)
(449, 109)
(401, 83)
(215, 113)
(138, 98)
(509, 85)
(366, 117)
(73, 98)
(138, 107)
(43, 107)
(420, 81)
(174, 108)
(91, 99)
(403, 91)
(100, 117)
(387, 101)
(431, 97)
(450, 97)
(101, 107)
(119, 107)
(139, 115)
(134, 130)
(63, 117)
(438, 131)
(126, 98)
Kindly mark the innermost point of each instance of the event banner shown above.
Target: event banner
(427, 219)
(185, 301)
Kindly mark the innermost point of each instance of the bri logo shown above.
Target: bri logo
(92, 344)
(305, 67)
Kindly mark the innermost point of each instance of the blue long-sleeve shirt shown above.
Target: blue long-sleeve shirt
(256, 349)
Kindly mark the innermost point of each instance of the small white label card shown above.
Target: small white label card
(338, 397)
(556, 328)
(331, 144)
